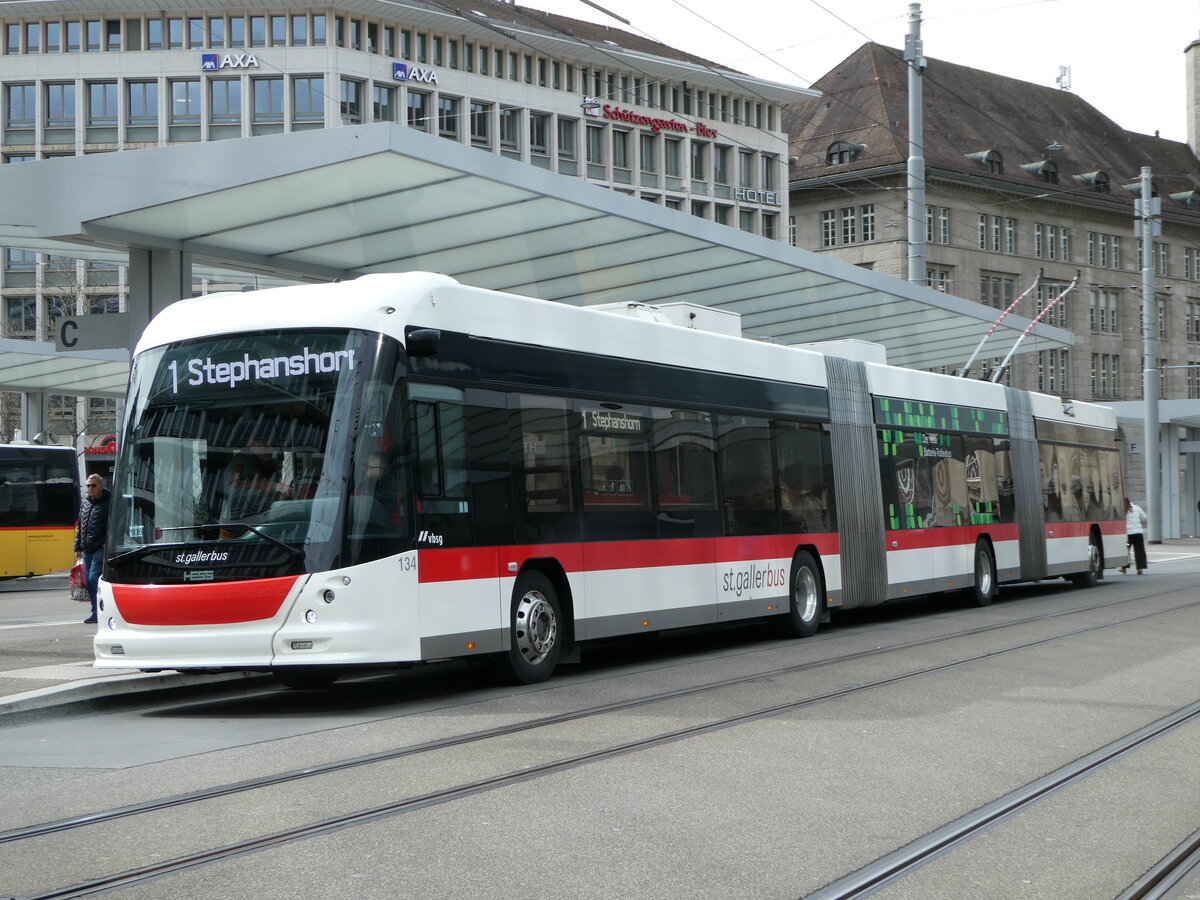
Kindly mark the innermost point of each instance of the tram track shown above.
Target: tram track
(293, 775)
(1162, 880)
(887, 869)
(433, 798)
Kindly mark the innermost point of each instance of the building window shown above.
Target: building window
(1046, 293)
(1161, 259)
(539, 135)
(745, 169)
(672, 159)
(351, 102)
(185, 102)
(841, 152)
(849, 222)
(418, 110)
(278, 31)
(595, 151)
(997, 291)
(225, 100)
(102, 103)
(1106, 375)
(937, 224)
(20, 316)
(308, 98)
(699, 166)
(1193, 321)
(143, 102)
(939, 278)
(510, 131)
(1102, 311)
(60, 106)
(568, 130)
(481, 124)
(828, 228)
(20, 105)
(1052, 372)
(449, 109)
(268, 100)
(866, 219)
(384, 103)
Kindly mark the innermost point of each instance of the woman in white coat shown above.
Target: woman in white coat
(1135, 524)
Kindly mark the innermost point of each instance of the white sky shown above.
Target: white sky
(1126, 60)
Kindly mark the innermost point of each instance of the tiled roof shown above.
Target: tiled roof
(968, 111)
(499, 12)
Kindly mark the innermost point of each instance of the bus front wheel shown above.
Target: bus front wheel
(535, 630)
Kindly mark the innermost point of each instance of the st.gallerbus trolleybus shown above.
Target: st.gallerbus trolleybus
(401, 468)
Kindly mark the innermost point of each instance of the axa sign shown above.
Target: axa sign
(405, 72)
(210, 62)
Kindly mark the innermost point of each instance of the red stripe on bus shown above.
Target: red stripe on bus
(492, 562)
(955, 536)
(68, 528)
(1082, 529)
(218, 603)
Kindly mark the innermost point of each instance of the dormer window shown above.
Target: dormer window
(1190, 199)
(1098, 181)
(1046, 170)
(991, 160)
(842, 152)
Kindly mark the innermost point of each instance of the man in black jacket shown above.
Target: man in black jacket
(90, 535)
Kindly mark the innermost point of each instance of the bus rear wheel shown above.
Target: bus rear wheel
(535, 630)
(1095, 566)
(983, 592)
(805, 602)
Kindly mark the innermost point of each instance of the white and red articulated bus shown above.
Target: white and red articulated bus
(401, 468)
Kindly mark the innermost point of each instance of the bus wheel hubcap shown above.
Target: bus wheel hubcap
(806, 594)
(536, 627)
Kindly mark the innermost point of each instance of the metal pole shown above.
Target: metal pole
(1147, 222)
(914, 56)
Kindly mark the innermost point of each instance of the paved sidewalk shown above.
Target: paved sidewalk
(43, 686)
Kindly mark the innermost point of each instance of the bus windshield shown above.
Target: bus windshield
(257, 455)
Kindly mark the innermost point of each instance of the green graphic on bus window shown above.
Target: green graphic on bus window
(939, 416)
(936, 479)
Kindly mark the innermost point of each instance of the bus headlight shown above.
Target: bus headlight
(328, 596)
(311, 617)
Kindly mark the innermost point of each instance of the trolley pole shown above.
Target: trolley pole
(1147, 226)
(915, 57)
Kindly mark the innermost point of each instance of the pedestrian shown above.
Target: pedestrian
(1135, 524)
(90, 534)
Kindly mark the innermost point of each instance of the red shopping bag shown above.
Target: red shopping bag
(78, 581)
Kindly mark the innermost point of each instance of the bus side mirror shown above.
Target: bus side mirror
(423, 341)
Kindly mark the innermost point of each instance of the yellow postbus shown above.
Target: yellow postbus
(39, 504)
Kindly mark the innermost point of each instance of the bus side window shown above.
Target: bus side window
(748, 482)
(685, 461)
(545, 484)
(440, 432)
(805, 482)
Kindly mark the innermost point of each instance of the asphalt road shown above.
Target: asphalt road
(876, 736)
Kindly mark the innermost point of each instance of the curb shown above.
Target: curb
(127, 685)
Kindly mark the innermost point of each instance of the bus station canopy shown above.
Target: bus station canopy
(337, 203)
